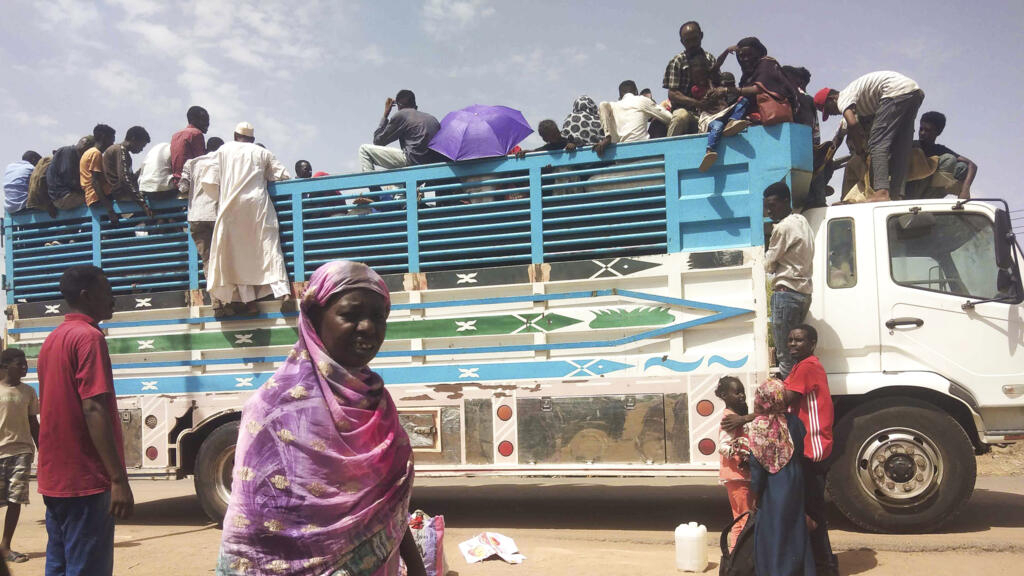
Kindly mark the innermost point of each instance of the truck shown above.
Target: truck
(569, 314)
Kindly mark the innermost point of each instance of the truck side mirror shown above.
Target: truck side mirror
(1004, 244)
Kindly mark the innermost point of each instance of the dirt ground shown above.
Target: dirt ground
(584, 526)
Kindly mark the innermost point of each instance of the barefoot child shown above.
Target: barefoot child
(19, 435)
(734, 448)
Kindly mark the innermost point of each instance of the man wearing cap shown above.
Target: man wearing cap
(889, 101)
(246, 219)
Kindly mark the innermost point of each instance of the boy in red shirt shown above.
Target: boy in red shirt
(808, 396)
(81, 472)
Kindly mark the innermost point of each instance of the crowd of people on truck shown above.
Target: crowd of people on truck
(326, 416)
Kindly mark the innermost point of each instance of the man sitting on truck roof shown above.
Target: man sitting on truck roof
(117, 167)
(789, 257)
(956, 167)
(626, 120)
(685, 108)
(16, 178)
(63, 181)
(94, 180)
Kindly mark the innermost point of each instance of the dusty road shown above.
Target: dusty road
(574, 526)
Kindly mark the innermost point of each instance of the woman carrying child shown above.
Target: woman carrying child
(782, 545)
(734, 450)
(762, 74)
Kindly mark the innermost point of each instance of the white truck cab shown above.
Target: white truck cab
(921, 329)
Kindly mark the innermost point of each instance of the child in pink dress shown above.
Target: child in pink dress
(734, 448)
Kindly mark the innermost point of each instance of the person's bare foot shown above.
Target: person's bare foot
(880, 196)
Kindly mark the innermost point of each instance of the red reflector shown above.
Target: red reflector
(151, 453)
(1014, 437)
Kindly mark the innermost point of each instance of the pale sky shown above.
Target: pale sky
(312, 76)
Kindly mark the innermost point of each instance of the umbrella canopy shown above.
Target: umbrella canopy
(480, 132)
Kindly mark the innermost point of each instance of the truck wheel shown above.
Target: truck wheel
(214, 465)
(901, 465)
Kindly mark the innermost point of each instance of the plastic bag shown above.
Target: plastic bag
(428, 532)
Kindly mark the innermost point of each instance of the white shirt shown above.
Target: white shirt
(868, 91)
(790, 254)
(631, 114)
(246, 261)
(156, 169)
(200, 180)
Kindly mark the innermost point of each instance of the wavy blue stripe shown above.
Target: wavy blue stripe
(674, 365)
(727, 363)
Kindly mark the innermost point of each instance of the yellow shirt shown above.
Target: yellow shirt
(17, 405)
(92, 161)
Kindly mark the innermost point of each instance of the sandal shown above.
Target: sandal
(16, 557)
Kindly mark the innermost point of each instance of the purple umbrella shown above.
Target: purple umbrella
(480, 132)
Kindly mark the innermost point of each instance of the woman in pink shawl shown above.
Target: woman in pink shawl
(323, 469)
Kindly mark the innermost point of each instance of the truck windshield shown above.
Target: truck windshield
(954, 256)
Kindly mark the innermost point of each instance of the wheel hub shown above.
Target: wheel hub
(899, 466)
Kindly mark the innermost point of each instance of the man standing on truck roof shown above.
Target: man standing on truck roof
(200, 184)
(246, 262)
(81, 470)
(685, 108)
(891, 101)
(789, 257)
(189, 142)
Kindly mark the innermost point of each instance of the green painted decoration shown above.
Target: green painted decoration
(625, 318)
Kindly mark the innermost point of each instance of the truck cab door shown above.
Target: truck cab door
(932, 260)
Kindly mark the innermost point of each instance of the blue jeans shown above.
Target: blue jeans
(788, 311)
(716, 126)
(80, 533)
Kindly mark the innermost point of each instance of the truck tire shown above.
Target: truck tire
(213, 470)
(901, 465)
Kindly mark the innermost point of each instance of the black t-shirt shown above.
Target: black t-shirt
(935, 149)
(552, 146)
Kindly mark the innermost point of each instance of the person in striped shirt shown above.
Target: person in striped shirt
(808, 396)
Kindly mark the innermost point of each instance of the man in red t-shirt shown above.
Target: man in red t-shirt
(81, 472)
(808, 396)
(189, 142)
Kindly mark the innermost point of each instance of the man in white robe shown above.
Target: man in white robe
(246, 262)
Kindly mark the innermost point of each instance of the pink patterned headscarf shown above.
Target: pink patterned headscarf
(770, 441)
(323, 469)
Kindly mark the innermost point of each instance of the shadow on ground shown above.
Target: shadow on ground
(176, 511)
(588, 506)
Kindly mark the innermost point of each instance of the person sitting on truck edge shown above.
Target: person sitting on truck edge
(552, 137)
(80, 471)
(678, 82)
(733, 452)
(892, 100)
(790, 258)
(189, 142)
(16, 178)
(303, 169)
(655, 128)
(582, 126)
(626, 120)
(38, 194)
(117, 167)
(958, 168)
(199, 183)
(19, 429)
(322, 460)
(90, 168)
(809, 397)
(721, 113)
(63, 177)
(247, 224)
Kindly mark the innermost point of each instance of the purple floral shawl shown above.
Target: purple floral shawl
(323, 469)
(770, 441)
